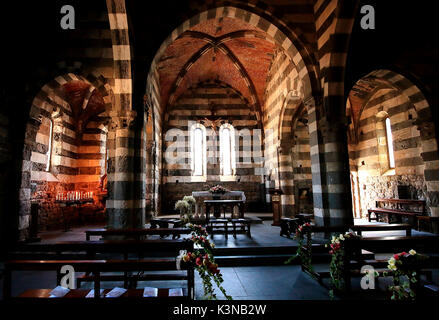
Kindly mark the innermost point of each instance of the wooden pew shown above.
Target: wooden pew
(428, 244)
(393, 213)
(90, 249)
(217, 205)
(163, 293)
(401, 208)
(353, 260)
(96, 267)
(359, 229)
(164, 223)
(289, 225)
(136, 234)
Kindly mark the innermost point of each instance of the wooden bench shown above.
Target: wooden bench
(214, 225)
(137, 234)
(304, 217)
(164, 223)
(289, 226)
(353, 260)
(397, 214)
(224, 205)
(89, 250)
(361, 251)
(95, 249)
(241, 225)
(95, 268)
(402, 208)
(359, 229)
(163, 293)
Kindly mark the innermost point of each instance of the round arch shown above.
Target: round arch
(50, 103)
(385, 78)
(308, 85)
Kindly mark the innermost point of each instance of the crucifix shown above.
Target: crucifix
(213, 123)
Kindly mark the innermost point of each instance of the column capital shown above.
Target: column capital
(121, 119)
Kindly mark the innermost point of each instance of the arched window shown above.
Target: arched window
(198, 150)
(389, 138)
(227, 150)
(49, 146)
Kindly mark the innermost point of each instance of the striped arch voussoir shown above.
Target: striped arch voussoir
(408, 88)
(291, 104)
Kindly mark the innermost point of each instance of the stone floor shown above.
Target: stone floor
(263, 234)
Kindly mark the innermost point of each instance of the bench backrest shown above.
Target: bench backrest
(95, 267)
(136, 232)
(423, 244)
(361, 228)
(90, 249)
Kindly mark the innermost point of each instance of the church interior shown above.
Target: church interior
(278, 126)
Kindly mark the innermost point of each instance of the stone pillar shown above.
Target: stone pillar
(125, 206)
(286, 180)
(150, 169)
(330, 169)
(337, 171)
(25, 184)
(430, 155)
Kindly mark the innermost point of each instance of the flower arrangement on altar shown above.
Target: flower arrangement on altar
(304, 255)
(203, 262)
(403, 268)
(336, 266)
(218, 189)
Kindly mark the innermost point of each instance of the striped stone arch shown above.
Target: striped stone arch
(96, 81)
(285, 38)
(48, 101)
(291, 103)
(426, 126)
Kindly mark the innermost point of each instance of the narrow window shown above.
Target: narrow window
(198, 153)
(389, 138)
(49, 147)
(227, 149)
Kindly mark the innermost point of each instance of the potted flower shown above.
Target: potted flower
(185, 207)
(217, 190)
(182, 206)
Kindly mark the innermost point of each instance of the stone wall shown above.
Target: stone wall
(385, 187)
